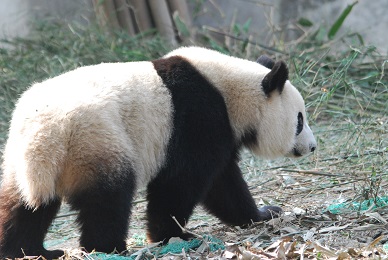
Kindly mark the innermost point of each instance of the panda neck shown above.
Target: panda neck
(239, 85)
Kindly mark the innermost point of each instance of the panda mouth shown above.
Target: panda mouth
(296, 153)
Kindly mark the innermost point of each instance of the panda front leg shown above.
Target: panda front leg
(104, 210)
(22, 229)
(229, 199)
(168, 199)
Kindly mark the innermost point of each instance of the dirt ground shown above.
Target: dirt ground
(306, 229)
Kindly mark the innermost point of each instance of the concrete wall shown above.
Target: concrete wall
(223, 14)
(368, 18)
(272, 20)
(275, 19)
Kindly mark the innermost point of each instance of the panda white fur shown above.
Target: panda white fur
(93, 135)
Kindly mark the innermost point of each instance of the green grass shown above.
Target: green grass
(345, 85)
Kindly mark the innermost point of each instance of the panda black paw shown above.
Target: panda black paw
(269, 212)
(54, 254)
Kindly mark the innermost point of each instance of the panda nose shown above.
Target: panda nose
(312, 148)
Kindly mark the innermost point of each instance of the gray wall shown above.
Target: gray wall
(275, 19)
(17, 16)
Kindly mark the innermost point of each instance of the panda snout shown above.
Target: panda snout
(299, 151)
(296, 152)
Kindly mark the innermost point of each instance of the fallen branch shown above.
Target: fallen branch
(312, 172)
(184, 230)
(268, 48)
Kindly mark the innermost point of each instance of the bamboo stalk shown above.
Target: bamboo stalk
(142, 14)
(162, 18)
(106, 14)
(183, 10)
(124, 16)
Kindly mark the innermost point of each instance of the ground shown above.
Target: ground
(305, 189)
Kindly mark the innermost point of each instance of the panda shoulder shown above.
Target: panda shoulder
(197, 53)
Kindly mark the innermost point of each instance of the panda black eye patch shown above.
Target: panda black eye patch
(299, 127)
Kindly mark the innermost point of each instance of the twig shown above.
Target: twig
(271, 49)
(139, 201)
(312, 172)
(67, 215)
(184, 230)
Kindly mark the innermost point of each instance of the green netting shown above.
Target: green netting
(385, 248)
(346, 207)
(177, 247)
(139, 239)
(211, 242)
(102, 256)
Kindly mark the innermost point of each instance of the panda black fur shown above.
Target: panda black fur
(92, 136)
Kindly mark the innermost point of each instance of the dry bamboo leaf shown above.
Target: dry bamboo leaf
(233, 248)
(367, 253)
(292, 252)
(375, 242)
(352, 252)
(281, 254)
(203, 247)
(290, 230)
(247, 255)
(274, 222)
(229, 255)
(301, 251)
(273, 246)
(376, 216)
(368, 227)
(343, 255)
(309, 234)
(335, 228)
(324, 250)
(298, 211)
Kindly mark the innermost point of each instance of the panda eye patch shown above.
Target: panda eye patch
(299, 127)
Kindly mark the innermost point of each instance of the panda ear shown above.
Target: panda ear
(275, 79)
(266, 61)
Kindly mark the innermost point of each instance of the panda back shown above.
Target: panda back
(119, 111)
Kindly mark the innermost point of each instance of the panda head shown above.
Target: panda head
(282, 128)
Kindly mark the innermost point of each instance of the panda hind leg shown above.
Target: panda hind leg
(229, 199)
(22, 230)
(104, 209)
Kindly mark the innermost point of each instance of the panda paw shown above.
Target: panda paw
(269, 212)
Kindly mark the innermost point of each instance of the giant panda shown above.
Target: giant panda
(94, 135)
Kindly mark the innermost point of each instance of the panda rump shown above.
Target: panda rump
(94, 135)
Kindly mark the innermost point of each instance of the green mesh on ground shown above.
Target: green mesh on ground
(212, 243)
(177, 247)
(102, 256)
(385, 248)
(346, 207)
(139, 239)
